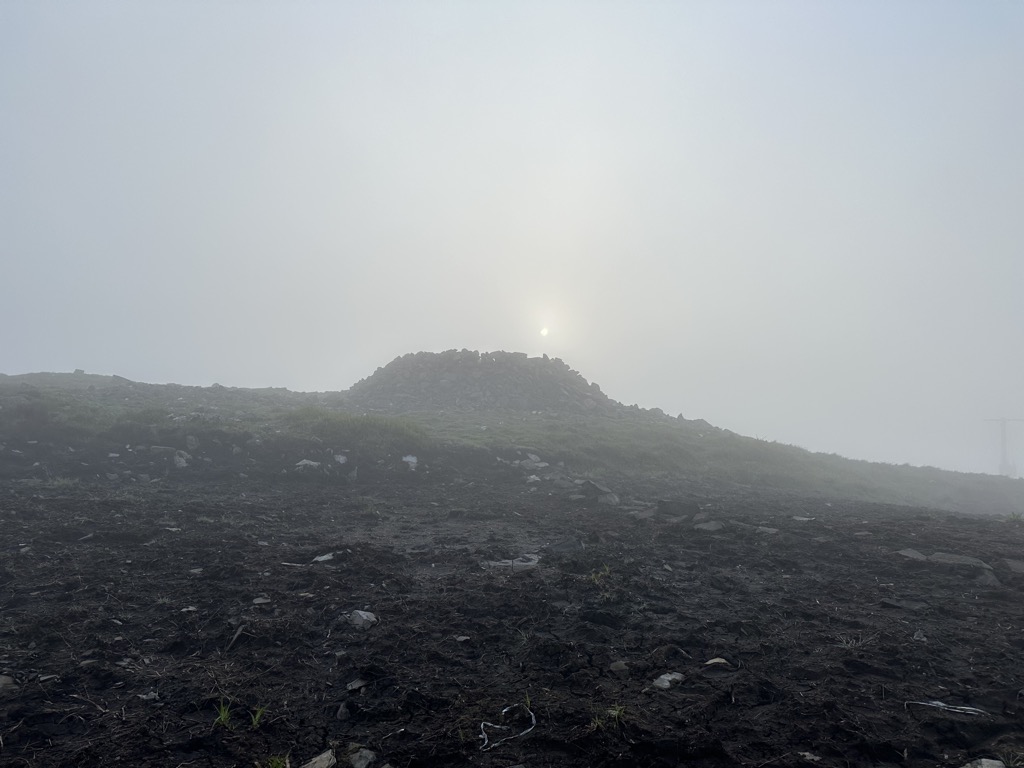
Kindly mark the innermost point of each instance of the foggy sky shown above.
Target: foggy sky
(801, 221)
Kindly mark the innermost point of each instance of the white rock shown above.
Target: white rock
(666, 680)
(323, 760)
(361, 758)
(362, 619)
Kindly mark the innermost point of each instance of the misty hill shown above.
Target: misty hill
(470, 380)
(489, 409)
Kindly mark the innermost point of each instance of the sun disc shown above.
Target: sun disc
(543, 331)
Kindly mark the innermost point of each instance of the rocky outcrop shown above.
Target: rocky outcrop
(468, 380)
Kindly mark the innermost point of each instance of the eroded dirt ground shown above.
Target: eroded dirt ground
(131, 620)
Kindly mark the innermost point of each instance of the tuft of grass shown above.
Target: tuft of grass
(224, 716)
(599, 577)
(278, 761)
(617, 713)
(1011, 758)
(853, 641)
(256, 716)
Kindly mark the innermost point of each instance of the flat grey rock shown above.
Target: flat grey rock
(713, 525)
(912, 554)
(947, 559)
(988, 579)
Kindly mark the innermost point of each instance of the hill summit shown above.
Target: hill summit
(469, 380)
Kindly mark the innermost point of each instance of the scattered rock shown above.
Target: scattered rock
(912, 554)
(362, 619)
(619, 668)
(947, 559)
(323, 760)
(987, 579)
(985, 762)
(665, 681)
(712, 525)
(677, 508)
(1017, 566)
(361, 757)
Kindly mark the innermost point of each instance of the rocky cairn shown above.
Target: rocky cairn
(468, 380)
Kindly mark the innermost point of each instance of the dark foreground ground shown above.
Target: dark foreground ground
(192, 626)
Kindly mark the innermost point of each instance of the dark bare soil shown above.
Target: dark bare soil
(127, 619)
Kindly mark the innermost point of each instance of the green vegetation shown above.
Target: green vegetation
(256, 716)
(223, 719)
(374, 436)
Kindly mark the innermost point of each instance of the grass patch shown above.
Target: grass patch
(373, 436)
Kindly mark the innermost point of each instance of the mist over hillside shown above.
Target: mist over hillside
(497, 405)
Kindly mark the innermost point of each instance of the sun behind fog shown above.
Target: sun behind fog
(543, 331)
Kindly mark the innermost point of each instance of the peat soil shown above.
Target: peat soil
(203, 625)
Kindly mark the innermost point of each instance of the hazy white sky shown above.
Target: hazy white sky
(799, 220)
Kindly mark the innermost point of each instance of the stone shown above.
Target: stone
(665, 681)
(362, 619)
(712, 525)
(361, 758)
(323, 760)
(945, 558)
(677, 507)
(912, 554)
(619, 669)
(1017, 566)
(987, 579)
